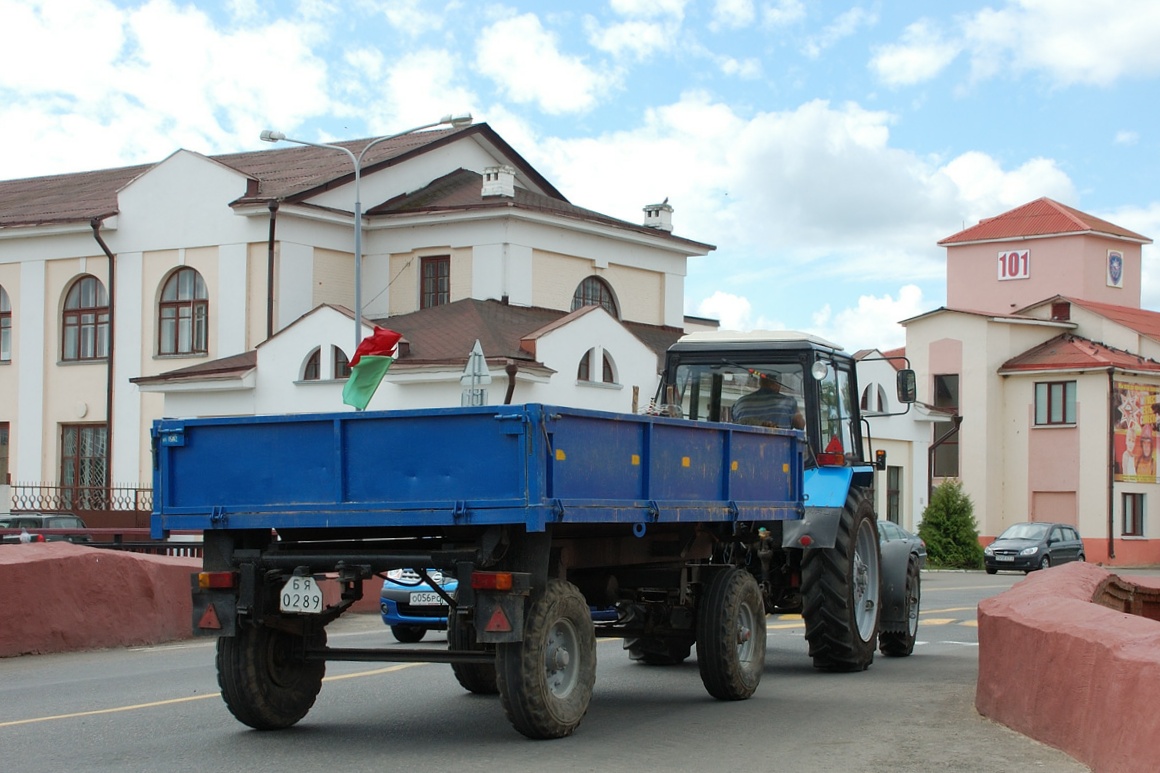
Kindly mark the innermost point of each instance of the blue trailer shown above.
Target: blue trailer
(692, 528)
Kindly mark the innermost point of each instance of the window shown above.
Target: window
(86, 321)
(436, 281)
(1133, 510)
(594, 291)
(874, 399)
(894, 494)
(83, 463)
(341, 364)
(5, 327)
(585, 369)
(946, 453)
(946, 391)
(1055, 403)
(312, 371)
(4, 452)
(183, 316)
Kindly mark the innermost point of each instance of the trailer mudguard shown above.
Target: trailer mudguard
(893, 565)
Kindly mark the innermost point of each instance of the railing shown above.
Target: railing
(57, 497)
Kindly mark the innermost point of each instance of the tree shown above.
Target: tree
(949, 529)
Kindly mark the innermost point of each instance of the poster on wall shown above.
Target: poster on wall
(1115, 268)
(1134, 449)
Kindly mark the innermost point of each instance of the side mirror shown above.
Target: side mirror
(907, 386)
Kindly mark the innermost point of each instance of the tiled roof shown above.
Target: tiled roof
(445, 334)
(1144, 322)
(226, 367)
(1071, 352)
(285, 172)
(1042, 217)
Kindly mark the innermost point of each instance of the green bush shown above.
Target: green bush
(948, 527)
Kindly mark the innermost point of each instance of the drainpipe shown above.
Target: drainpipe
(270, 271)
(958, 420)
(1111, 463)
(511, 369)
(95, 224)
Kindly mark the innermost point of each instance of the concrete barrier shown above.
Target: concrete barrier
(1071, 673)
(61, 597)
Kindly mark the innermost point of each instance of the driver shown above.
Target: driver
(768, 406)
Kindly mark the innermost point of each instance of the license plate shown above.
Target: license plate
(427, 599)
(302, 595)
(1004, 558)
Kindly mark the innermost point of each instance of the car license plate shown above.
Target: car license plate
(302, 595)
(1004, 558)
(427, 599)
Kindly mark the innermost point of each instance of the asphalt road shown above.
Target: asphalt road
(157, 709)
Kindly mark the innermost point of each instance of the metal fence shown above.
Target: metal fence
(54, 497)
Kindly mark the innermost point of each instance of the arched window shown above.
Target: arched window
(312, 371)
(341, 364)
(585, 371)
(594, 291)
(86, 321)
(5, 327)
(183, 314)
(874, 398)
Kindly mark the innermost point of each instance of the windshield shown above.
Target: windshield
(1025, 531)
(765, 393)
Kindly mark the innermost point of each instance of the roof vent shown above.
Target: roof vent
(499, 181)
(1060, 311)
(659, 216)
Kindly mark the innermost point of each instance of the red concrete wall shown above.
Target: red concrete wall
(59, 597)
(1070, 673)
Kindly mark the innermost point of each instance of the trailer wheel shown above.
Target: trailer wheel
(545, 681)
(841, 589)
(473, 677)
(265, 680)
(658, 651)
(731, 635)
(899, 642)
(408, 634)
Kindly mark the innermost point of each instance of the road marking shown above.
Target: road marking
(191, 698)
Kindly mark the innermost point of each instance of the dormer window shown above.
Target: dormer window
(594, 291)
(586, 370)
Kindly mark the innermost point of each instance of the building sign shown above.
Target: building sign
(1134, 448)
(1015, 264)
(1115, 268)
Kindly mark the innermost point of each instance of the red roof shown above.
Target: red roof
(1071, 352)
(1042, 217)
(1144, 322)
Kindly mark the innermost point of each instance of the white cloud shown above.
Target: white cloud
(638, 39)
(845, 25)
(1072, 41)
(920, 57)
(416, 17)
(986, 189)
(783, 13)
(733, 311)
(1125, 137)
(418, 89)
(732, 14)
(649, 8)
(873, 323)
(524, 60)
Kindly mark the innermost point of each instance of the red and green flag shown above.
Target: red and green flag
(371, 359)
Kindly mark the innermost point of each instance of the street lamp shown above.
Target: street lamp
(456, 121)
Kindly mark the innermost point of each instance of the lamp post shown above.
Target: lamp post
(457, 121)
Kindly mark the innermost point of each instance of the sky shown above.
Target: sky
(823, 147)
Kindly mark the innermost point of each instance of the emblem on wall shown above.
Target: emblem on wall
(1115, 268)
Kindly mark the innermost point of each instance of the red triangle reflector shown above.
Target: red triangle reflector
(209, 619)
(498, 623)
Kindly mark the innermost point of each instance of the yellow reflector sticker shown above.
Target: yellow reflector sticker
(785, 468)
(685, 461)
(734, 466)
(636, 460)
(560, 455)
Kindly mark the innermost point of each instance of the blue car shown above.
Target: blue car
(409, 605)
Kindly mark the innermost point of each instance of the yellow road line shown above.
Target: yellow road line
(189, 699)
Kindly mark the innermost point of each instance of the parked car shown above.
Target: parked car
(410, 606)
(888, 531)
(34, 523)
(1033, 545)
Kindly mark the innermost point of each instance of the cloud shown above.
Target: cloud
(649, 8)
(873, 323)
(986, 189)
(636, 39)
(845, 25)
(416, 17)
(1125, 137)
(921, 56)
(525, 62)
(733, 311)
(732, 14)
(783, 13)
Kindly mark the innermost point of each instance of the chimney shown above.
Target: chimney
(499, 181)
(659, 216)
